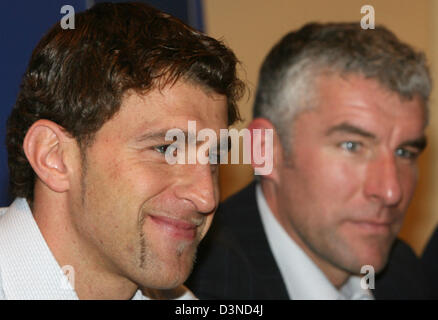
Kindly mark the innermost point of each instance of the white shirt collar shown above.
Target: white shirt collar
(303, 279)
(28, 269)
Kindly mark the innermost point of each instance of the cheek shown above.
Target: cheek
(342, 178)
(320, 189)
(329, 178)
(117, 192)
(408, 181)
(139, 179)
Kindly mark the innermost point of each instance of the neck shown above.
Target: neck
(94, 277)
(335, 275)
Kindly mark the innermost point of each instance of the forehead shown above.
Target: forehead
(171, 107)
(365, 102)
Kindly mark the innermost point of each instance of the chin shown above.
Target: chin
(370, 250)
(165, 279)
(175, 272)
(375, 257)
(167, 264)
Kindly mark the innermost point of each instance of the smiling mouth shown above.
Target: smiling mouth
(177, 228)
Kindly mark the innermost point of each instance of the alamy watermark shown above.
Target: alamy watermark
(368, 280)
(68, 21)
(68, 277)
(187, 149)
(368, 20)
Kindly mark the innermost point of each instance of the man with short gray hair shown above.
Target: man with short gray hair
(348, 108)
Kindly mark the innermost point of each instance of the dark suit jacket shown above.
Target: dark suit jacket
(235, 261)
(430, 261)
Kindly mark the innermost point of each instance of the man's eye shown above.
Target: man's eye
(404, 153)
(162, 149)
(351, 146)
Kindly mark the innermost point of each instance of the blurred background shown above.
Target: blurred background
(250, 28)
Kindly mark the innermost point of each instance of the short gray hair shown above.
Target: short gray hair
(292, 66)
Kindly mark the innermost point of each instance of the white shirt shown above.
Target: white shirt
(302, 277)
(28, 269)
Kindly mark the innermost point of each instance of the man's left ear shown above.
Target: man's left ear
(265, 148)
(45, 146)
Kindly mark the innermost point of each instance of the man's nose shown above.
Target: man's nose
(383, 180)
(198, 187)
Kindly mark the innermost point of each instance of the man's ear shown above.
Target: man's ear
(44, 146)
(266, 148)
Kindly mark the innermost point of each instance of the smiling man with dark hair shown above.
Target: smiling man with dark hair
(95, 195)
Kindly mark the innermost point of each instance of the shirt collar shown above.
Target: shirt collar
(28, 269)
(303, 279)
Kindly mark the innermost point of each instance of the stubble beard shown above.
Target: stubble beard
(148, 260)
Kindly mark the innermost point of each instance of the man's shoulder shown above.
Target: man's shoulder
(3, 210)
(247, 193)
(237, 221)
(2, 294)
(10, 215)
(430, 263)
(403, 276)
(238, 206)
(6, 218)
(430, 255)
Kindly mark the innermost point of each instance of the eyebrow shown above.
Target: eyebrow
(161, 134)
(155, 135)
(420, 143)
(349, 128)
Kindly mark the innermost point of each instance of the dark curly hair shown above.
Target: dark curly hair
(77, 78)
